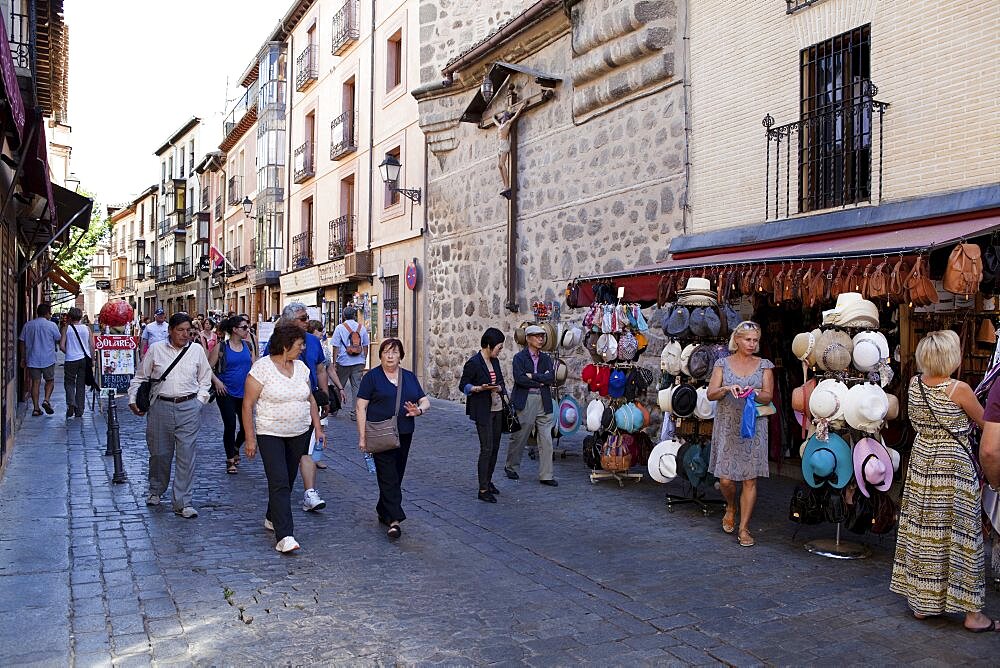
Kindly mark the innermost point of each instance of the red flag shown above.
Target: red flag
(216, 257)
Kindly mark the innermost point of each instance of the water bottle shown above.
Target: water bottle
(317, 453)
(370, 462)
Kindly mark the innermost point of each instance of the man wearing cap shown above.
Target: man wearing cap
(155, 331)
(532, 399)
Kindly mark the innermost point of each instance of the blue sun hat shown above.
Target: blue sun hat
(827, 461)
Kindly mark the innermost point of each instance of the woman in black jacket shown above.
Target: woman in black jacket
(482, 383)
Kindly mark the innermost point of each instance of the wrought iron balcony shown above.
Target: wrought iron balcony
(19, 33)
(307, 67)
(341, 236)
(183, 269)
(160, 273)
(235, 259)
(235, 190)
(218, 207)
(345, 27)
(163, 227)
(302, 250)
(304, 163)
(343, 135)
(829, 158)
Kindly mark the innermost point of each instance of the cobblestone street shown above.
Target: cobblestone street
(582, 573)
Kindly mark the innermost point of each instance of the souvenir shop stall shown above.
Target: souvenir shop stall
(841, 328)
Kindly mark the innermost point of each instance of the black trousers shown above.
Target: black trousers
(389, 469)
(281, 456)
(489, 445)
(231, 410)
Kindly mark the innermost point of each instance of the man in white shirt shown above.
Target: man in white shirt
(78, 344)
(155, 331)
(352, 353)
(39, 339)
(175, 411)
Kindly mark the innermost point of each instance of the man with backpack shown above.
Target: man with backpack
(351, 341)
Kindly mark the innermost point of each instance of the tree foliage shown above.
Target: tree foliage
(75, 259)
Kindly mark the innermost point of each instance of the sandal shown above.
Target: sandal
(47, 407)
(231, 467)
(321, 465)
(746, 540)
(36, 412)
(994, 626)
(730, 526)
(394, 531)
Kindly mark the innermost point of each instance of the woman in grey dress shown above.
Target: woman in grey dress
(734, 458)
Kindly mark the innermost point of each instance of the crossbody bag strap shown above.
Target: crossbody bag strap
(399, 389)
(172, 365)
(965, 446)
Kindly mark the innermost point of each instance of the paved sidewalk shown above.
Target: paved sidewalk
(579, 574)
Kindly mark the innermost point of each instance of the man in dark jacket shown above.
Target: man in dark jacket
(534, 373)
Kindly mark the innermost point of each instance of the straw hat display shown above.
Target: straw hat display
(833, 350)
(852, 310)
(697, 292)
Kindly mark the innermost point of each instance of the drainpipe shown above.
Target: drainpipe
(687, 118)
(289, 159)
(371, 135)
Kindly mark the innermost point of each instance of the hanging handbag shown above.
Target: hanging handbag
(510, 422)
(383, 435)
(144, 396)
(573, 294)
(964, 270)
(616, 455)
(88, 365)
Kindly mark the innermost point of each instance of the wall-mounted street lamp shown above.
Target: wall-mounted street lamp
(247, 206)
(389, 170)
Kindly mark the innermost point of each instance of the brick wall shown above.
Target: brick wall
(937, 62)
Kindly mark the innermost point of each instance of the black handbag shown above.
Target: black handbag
(88, 366)
(144, 397)
(510, 422)
(334, 393)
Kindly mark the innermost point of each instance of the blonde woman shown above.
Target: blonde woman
(736, 459)
(939, 562)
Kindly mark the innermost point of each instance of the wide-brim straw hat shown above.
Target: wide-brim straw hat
(865, 353)
(697, 283)
(705, 408)
(827, 400)
(865, 407)
(803, 345)
(830, 459)
(833, 350)
(697, 298)
(880, 476)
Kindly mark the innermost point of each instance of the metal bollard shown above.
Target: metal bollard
(114, 442)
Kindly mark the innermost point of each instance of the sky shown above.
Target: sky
(139, 69)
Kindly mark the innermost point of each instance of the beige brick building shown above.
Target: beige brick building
(936, 63)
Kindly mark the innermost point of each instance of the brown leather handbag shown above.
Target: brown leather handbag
(964, 270)
(897, 283)
(863, 281)
(664, 290)
(819, 287)
(779, 285)
(792, 279)
(878, 283)
(920, 290)
(765, 282)
(850, 283)
(805, 287)
(837, 286)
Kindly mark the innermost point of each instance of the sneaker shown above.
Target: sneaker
(70, 412)
(311, 500)
(268, 525)
(286, 545)
(153, 500)
(187, 512)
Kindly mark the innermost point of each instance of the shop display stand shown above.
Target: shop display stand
(698, 498)
(838, 549)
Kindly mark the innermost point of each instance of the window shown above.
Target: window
(394, 60)
(182, 161)
(142, 218)
(390, 307)
(163, 177)
(191, 155)
(391, 196)
(835, 113)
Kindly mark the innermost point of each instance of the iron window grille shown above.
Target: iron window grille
(792, 6)
(302, 250)
(306, 68)
(341, 236)
(837, 141)
(343, 135)
(390, 306)
(305, 167)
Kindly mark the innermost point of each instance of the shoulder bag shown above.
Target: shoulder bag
(511, 423)
(964, 443)
(144, 397)
(964, 271)
(88, 365)
(383, 435)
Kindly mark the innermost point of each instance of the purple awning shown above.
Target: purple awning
(12, 92)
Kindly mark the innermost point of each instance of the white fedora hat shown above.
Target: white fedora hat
(662, 464)
(595, 411)
(685, 356)
(663, 399)
(705, 409)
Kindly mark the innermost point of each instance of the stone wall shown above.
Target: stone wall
(595, 194)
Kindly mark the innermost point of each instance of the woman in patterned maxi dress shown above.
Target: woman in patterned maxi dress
(734, 458)
(939, 561)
